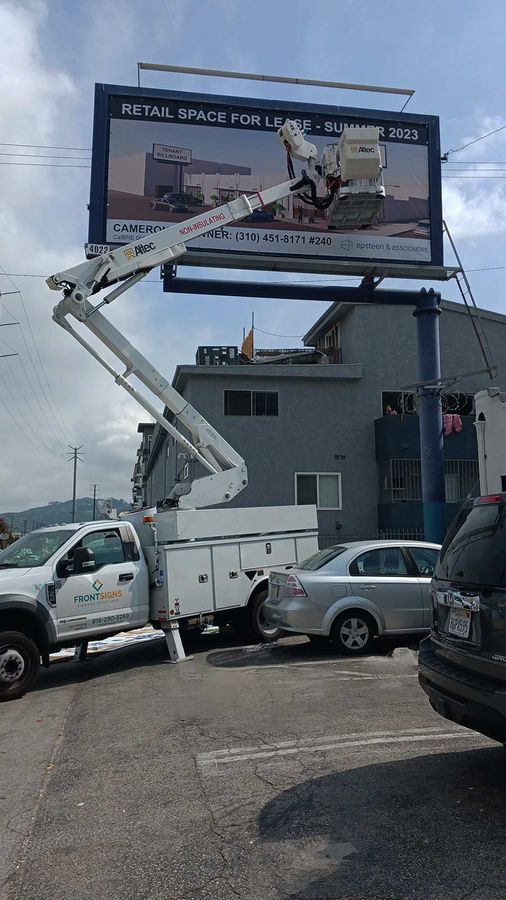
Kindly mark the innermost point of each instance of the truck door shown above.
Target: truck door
(110, 594)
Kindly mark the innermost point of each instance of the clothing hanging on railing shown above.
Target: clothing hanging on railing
(452, 424)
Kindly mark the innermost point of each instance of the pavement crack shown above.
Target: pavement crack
(14, 882)
(264, 778)
(214, 825)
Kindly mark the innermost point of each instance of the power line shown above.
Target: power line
(13, 375)
(39, 406)
(475, 141)
(22, 415)
(274, 334)
(65, 428)
(476, 162)
(44, 146)
(36, 374)
(38, 410)
(45, 165)
(43, 156)
(44, 371)
(17, 423)
(21, 412)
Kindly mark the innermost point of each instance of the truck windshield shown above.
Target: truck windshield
(33, 549)
(474, 550)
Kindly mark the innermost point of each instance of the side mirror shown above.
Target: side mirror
(84, 560)
(65, 567)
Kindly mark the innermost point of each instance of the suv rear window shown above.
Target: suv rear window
(475, 547)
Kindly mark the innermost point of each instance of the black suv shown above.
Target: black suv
(462, 665)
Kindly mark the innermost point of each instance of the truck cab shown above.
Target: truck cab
(64, 584)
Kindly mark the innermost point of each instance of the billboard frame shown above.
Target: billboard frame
(280, 262)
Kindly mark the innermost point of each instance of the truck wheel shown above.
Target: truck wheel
(253, 625)
(352, 632)
(19, 664)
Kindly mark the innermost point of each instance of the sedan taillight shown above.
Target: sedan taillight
(293, 588)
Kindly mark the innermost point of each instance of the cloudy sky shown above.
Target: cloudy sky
(52, 394)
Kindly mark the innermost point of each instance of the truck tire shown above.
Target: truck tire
(19, 664)
(254, 625)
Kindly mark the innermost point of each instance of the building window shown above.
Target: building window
(251, 403)
(401, 479)
(323, 489)
(331, 344)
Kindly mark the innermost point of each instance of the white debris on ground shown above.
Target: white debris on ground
(124, 639)
(402, 659)
(112, 643)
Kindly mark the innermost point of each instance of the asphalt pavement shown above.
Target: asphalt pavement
(261, 773)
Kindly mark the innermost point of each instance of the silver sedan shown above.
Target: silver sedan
(355, 592)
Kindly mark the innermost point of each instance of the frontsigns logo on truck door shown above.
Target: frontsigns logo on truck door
(98, 595)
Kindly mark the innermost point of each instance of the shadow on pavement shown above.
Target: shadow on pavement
(101, 663)
(424, 828)
(128, 656)
(295, 649)
(221, 650)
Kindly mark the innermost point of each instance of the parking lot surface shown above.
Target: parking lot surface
(263, 773)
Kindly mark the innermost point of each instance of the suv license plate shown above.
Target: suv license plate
(460, 622)
(274, 591)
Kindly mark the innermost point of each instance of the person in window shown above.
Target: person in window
(389, 411)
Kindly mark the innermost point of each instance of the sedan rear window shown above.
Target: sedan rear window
(313, 563)
(475, 547)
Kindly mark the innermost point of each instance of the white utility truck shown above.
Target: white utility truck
(182, 562)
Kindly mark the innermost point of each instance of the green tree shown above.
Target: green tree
(277, 207)
(5, 533)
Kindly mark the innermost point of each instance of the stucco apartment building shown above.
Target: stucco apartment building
(318, 428)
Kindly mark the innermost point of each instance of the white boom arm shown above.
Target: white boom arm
(128, 265)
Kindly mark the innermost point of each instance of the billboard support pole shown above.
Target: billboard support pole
(430, 416)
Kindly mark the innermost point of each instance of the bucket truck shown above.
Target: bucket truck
(182, 562)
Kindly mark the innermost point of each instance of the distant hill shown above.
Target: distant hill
(57, 513)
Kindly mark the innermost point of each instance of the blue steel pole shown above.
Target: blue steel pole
(430, 414)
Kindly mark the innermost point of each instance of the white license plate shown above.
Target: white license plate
(274, 591)
(460, 622)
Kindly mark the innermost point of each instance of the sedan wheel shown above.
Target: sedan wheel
(352, 633)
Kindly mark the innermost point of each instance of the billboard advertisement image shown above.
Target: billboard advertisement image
(160, 158)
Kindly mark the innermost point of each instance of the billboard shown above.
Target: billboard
(160, 157)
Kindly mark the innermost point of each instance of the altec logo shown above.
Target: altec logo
(355, 148)
(138, 250)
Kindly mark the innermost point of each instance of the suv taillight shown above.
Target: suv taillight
(293, 588)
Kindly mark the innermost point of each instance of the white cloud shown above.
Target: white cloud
(42, 222)
(474, 206)
(474, 211)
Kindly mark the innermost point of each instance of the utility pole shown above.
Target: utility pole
(74, 456)
(95, 486)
